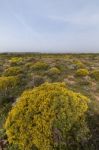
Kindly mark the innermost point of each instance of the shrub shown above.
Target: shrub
(7, 86)
(95, 74)
(54, 71)
(85, 81)
(82, 72)
(4, 109)
(46, 118)
(29, 65)
(40, 66)
(36, 80)
(16, 60)
(79, 64)
(12, 71)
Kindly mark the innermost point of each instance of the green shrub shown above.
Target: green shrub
(82, 72)
(48, 117)
(2, 133)
(4, 109)
(95, 74)
(40, 66)
(12, 71)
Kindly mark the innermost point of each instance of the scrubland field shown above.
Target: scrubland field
(49, 101)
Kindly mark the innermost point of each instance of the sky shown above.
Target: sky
(49, 26)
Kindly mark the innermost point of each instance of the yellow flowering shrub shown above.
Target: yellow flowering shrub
(29, 65)
(44, 116)
(82, 72)
(16, 60)
(54, 71)
(12, 71)
(40, 66)
(7, 86)
(95, 74)
(78, 64)
(6, 82)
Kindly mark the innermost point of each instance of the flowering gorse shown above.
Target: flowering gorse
(44, 116)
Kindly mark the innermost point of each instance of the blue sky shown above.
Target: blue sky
(49, 25)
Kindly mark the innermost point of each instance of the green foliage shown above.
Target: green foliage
(40, 66)
(82, 72)
(95, 74)
(12, 71)
(12, 147)
(2, 133)
(4, 109)
(49, 117)
(7, 86)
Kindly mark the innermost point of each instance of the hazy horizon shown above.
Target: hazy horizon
(65, 26)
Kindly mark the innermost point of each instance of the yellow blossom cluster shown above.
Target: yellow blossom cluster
(43, 117)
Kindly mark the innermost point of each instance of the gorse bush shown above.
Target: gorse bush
(12, 71)
(95, 74)
(29, 65)
(54, 71)
(47, 118)
(82, 72)
(16, 60)
(78, 64)
(40, 66)
(8, 86)
(6, 82)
